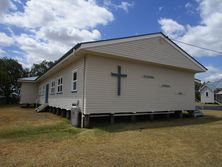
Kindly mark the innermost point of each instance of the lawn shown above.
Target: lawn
(43, 139)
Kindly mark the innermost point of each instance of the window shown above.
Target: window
(74, 81)
(53, 87)
(206, 94)
(59, 85)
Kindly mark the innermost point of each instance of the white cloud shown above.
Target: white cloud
(5, 5)
(160, 8)
(5, 40)
(171, 27)
(52, 27)
(207, 34)
(2, 53)
(123, 5)
(213, 74)
(190, 8)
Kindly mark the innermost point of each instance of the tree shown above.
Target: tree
(39, 69)
(10, 71)
(197, 88)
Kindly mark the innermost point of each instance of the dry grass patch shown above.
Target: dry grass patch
(50, 140)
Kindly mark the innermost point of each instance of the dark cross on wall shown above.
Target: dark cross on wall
(119, 75)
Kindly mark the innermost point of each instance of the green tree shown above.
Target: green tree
(39, 69)
(197, 88)
(10, 71)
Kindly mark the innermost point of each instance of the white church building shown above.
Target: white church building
(133, 75)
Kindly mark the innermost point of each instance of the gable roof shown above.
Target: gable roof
(213, 85)
(85, 45)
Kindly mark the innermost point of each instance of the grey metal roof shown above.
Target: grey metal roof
(214, 85)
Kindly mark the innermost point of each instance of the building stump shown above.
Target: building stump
(133, 118)
(112, 119)
(151, 117)
(86, 121)
(68, 114)
(63, 113)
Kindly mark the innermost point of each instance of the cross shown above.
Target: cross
(119, 76)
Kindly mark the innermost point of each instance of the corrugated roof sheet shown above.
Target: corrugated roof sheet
(214, 85)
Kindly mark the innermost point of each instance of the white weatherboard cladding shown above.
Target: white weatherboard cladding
(204, 98)
(155, 50)
(28, 93)
(67, 97)
(138, 94)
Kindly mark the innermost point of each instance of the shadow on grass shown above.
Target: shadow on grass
(60, 129)
(124, 124)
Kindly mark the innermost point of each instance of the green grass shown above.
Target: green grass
(57, 129)
(28, 138)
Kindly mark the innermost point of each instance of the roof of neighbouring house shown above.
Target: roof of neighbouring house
(213, 85)
(27, 79)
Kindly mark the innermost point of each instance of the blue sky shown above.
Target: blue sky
(32, 31)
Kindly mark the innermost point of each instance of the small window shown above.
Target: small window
(206, 94)
(53, 87)
(59, 85)
(74, 81)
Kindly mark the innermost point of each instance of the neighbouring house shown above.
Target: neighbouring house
(134, 75)
(28, 91)
(211, 92)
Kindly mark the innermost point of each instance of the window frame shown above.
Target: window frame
(52, 87)
(59, 85)
(74, 81)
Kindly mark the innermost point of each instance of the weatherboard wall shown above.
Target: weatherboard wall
(155, 49)
(138, 93)
(65, 99)
(28, 93)
(204, 98)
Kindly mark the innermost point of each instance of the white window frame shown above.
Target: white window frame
(74, 81)
(59, 84)
(53, 87)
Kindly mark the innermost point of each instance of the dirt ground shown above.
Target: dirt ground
(43, 139)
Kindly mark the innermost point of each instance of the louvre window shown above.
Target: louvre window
(74, 81)
(53, 87)
(59, 85)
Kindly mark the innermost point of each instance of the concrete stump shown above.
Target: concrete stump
(133, 118)
(151, 117)
(54, 110)
(86, 121)
(58, 111)
(181, 114)
(63, 113)
(167, 116)
(68, 114)
(112, 119)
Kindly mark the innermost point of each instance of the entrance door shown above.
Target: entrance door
(46, 93)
